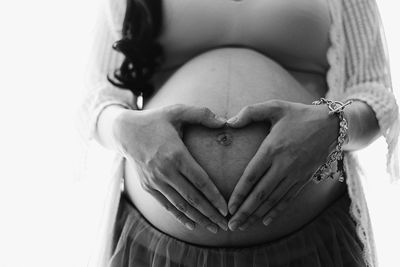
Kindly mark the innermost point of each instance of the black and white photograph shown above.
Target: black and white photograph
(200, 133)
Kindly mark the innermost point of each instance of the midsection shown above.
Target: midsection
(226, 80)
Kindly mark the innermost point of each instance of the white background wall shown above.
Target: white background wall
(47, 215)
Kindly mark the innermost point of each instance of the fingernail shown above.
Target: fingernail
(220, 119)
(232, 120)
(223, 212)
(189, 225)
(233, 209)
(234, 225)
(267, 221)
(224, 225)
(244, 226)
(212, 228)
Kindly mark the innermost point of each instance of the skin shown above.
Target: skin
(255, 78)
(168, 171)
(117, 126)
(127, 123)
(285, 161)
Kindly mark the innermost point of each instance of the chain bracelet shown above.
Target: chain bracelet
(335, 158)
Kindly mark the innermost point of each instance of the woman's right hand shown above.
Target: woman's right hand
(152, 139)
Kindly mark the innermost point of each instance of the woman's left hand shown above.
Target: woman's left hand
(299, 141)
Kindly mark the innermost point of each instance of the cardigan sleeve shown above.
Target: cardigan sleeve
(103, 60)
(367, 73)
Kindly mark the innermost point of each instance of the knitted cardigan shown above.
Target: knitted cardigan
(359, 69)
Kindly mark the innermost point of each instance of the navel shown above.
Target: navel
(224, 138)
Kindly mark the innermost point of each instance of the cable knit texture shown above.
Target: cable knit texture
(359, 70)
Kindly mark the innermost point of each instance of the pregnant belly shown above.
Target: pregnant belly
(226, 80)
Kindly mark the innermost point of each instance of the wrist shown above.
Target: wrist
(108, 121)
(338, 120)
(330, 122)
(335, 159)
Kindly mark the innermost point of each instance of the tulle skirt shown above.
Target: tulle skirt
(330, 240)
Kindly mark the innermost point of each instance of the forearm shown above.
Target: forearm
(363, 125)
(105, 125)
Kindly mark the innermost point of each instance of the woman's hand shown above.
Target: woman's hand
(152, 139)
(299, 141)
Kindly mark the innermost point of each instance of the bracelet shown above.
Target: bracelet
(335, 158)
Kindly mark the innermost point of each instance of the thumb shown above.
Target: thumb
(203, 116)
(256, 113)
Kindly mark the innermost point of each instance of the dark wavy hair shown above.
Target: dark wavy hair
(141, 26)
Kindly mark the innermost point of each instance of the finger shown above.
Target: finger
(261, 192)
(171, 208)
(197, 200)
(255, 113)
(281, 205)
(203, 116)
(256, 168)
(280, 194)
(200, 179)
(183, 206)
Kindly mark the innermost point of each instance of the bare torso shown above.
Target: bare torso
(293, 33)
(226, 80)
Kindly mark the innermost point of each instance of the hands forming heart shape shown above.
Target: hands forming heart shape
(299, 140)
